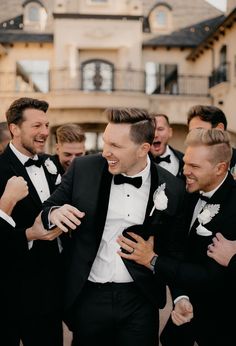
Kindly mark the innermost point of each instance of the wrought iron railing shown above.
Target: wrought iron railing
(219, 75)
(120, 80)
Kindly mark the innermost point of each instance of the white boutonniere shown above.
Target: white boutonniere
(206, 216)
(160, 199)
(51, 167)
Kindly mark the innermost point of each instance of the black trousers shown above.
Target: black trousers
(43, 330)
(114, 314)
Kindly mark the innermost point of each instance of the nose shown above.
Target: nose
(106, 152)
(45, 130)
(186, 170)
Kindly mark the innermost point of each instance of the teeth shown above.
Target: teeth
(111, 162)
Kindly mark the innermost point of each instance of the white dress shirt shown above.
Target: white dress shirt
(173, 166)
(127, 206)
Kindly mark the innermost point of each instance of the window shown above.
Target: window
(34, 13)
(35, 16)
(161, 78)
(161, 18)
(33, 75)
(97, 75)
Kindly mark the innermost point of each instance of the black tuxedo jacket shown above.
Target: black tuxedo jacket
(207, 283)
(29, 281)
(86, 185)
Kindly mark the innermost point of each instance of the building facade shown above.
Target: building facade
(83, 56)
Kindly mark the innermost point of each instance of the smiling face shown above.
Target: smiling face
(122, 154)
(30, 136)
(163, 133)
(201, 173)
(68, 151)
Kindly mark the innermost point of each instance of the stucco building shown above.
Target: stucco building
(83, 56)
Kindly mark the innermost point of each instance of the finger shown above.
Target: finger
(73, 210)
(219, 236)
(127, 241)
(137, 237)
(124, 246)
(127, 256)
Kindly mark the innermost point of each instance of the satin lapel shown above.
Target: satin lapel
(153, 187)
(19, 170)
(103, 200)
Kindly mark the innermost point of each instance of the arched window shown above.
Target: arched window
(97, 75)
(160, 17)
(35, 15)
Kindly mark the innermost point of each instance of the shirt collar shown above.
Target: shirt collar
(167, 152)
(144, 173)
(21, 157)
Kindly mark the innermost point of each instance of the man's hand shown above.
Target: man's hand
(222, 249)
(16, 189)
(66, 217)
(38, 232)
(140, 250)
(183, 312)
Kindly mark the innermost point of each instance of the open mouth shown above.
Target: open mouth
(156, 144)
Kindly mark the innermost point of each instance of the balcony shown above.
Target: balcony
(219, 75)
(106, 82)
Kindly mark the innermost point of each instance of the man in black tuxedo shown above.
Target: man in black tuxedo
(202, 291)
(109, 301)
(162, 153)
(210, 117)
(31, 288)
(70, 143)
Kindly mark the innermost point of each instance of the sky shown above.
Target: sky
(221, 4)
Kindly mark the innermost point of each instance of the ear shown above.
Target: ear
(220, 126)
(57, 148)
(14, 129)
(221, 168)
(170, 132)
(144, 149)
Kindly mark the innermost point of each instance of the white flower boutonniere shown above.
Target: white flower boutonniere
(160, 199)
(51, 167)
(206, 216)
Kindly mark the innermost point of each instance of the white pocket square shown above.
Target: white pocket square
(201, 230)
(58, 181)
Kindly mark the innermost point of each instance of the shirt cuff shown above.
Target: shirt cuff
(7, 218)
(179, 298)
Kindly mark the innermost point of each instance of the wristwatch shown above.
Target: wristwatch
(153, 261)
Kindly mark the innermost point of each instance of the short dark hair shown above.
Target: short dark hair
(210, 114)
(159, 115)
(69, 133)
(4, 131)
(14, 114)
(142, 123)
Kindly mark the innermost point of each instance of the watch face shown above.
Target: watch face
(153, 260)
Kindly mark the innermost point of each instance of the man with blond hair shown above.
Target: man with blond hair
(70, 143)
(202, 292)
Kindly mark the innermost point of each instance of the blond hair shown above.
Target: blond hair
(218, 140)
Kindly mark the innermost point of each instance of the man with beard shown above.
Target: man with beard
(160, 152)
(31, 289)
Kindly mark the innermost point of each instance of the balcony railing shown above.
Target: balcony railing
(120, 80)
(219, 75)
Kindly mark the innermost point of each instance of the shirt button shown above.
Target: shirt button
(128, 195)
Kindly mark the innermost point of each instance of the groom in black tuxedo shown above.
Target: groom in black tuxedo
(30, 289)
(109, 301)
(202, 290)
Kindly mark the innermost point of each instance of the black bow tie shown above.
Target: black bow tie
(31, 162)
(121, 179)
(159, 159)
(204, 198)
